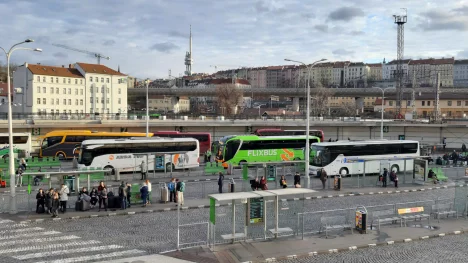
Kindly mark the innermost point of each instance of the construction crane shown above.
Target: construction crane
(97, 55)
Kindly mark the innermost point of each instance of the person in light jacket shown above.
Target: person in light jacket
(55, 204)
(148, 199)
(64, 191)
(144, 170)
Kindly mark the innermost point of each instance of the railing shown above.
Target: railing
(193, 243)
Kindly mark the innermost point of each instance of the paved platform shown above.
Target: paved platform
(149, 259)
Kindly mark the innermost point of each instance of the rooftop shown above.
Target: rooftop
(38, 69)
(98, 69)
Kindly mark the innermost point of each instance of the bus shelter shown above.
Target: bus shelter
(254, 206)
(274, 170)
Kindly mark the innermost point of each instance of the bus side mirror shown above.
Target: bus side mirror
(76, 151)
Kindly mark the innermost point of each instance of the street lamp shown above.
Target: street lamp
(307, 148)
(11, 157)
(147, 81)
(383, 102)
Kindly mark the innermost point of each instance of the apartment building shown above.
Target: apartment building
(339, 68)
(389, 70)
(356, 75)
(169, 104)
(69, 90)
(322, 74)
(424, 71)
(375, 72)
(460, 73)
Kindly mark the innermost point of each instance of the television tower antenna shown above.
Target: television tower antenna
(400, 20)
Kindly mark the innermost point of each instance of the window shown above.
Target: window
(107, 90)
(38, 89)
(43, 79)
(38, 101)
(57, 90)
(390, 103)
(91, 79)
(76, 101)
(96, 79)
(91, 90)
(102, 80)
(69, 102)
(459, 103)
(108, 111)
(102, 89)
(91, 99)
(449, 103)
(64, 101)
(44, 101)
(81, 82)
(423, 103)
(119, 101)
(466, 102)
(81, 91)
(57, 101)
(56, 80)
(69, 91)
(64, 91)
(76, 91)
(107, 100)
(81, 102)
(120, 91)
(97, 100)
(38, 79)
(52, 101)
(76, 81)
(64, 81)
(97, 89)
(51, 90)
(102, 100)
(52, 79)
(107, 80)
(69, 81)
(428, 103)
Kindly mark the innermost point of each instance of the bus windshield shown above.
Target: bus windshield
(231, 149)
(322, 156)
(85, 157)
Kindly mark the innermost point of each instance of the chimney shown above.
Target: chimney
(70, 66)
(63, 66)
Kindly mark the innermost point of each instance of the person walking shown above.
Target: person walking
(55, 204)
(64, 191)
(144, 193)
(144, 170)
(283, 182)
(129, 195)
(384, 177)
(180, 188)
(40, 201)
(123, 195)
(323, 177)
(103, 199)
(297, 179)
(148, 199)
(172, 190)
(220, 182)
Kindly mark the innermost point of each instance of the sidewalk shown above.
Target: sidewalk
(204, 203)
(294, 247)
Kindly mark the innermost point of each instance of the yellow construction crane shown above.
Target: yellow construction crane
(97, 55)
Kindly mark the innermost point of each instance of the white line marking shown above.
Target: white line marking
(42, 234)
(54, 246)
(59, 252)
(95, 257)
(6, 221)
(37, 240)
(13, 226)
(21, 230)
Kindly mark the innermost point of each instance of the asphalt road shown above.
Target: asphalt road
(447, 249)
(123, 236)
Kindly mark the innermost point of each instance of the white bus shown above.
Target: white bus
(21, 141)
(127, 154)
(346, 157)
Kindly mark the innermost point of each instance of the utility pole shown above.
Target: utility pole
(400, 20)
(413, 97)
(436, 105)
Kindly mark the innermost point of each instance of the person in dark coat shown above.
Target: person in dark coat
(220, 182)
(103, 199)
(297, 179)
(40, 200)
(144, 194)
(384, 177)
(129, 194)
(49, 195)
(94, 197)
(55, 204)
(254, 184)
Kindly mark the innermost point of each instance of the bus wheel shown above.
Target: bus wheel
(60, 155)
(108, 167)
(344, 172)
(395, 168)
(169, 166)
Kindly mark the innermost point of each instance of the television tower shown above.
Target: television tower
(188, 57)
(400, 20)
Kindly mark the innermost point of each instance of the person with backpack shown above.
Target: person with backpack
(220, 182)
(172, 190)
(144, 194)
(123, 195)
(180, 188)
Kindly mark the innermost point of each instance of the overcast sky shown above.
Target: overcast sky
(149, 37)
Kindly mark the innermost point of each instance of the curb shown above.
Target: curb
(343, 249)
(167, 209)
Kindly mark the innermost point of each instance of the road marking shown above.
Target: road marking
(21, 230)
(37, 240)
(95, 257)
(22, 249)
(13, 226)
(69, 251)
(6, 221)
(42, 234)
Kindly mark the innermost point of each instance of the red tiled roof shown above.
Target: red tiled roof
(3, 89)
(228, 81)
(38, 69)
(433, 61)
(341, 64)
(275, 67)
(98, 69)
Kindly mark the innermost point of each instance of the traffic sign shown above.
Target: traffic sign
(401, 137)
(385, 129)
(36, 131)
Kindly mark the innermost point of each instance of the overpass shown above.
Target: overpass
(285, 92)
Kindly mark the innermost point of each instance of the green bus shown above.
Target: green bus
(252, 148)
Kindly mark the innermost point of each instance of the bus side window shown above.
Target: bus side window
(54, 140)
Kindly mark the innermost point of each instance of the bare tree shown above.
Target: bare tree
(3, 71)
(320, 99)
(228, 98)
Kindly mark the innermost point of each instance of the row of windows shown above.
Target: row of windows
(57, 90)
(64, 80)
(96, 79)
(119, 100)
(57, 101)
(91, 90)
(52, 111)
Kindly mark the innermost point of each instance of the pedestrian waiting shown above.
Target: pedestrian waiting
(220, 182)
(64, 191)
(172, 190)
(144, 194)
(283, 182)
(148, 184)
(129, 195)
(180, 188)
(123, 195)
(323, 177)
(55, 204)
(40, 201)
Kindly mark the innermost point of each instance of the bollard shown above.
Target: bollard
(232, 185)
(117, 174)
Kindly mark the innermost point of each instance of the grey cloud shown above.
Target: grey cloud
(261, 7)
(72, 31)
(462, 10)
(308, 16)
(166, 47)
(345, 14)
(174, 33)
(342, 52)
(109, 42)
(462, 54)
(437, 20)
(321, 28)
(60, 55)
(356, 33)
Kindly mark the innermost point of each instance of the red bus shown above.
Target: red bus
(280, 132)
(204, 138)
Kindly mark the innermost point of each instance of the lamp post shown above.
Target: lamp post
(382, 114)
(147, 108)
(307, 148)
(11, 156)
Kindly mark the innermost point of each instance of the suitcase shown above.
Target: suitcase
(85, 206)
(164, 195)
(113, 202)
(41, 210)
(79, 206)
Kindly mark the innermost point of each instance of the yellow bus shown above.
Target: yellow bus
(61, 143)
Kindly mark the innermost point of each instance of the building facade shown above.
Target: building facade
(169, 104)
(460, 73)
(389, 70)
(425, 71)
(375, 72)
(339, 68)
(356, 75)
